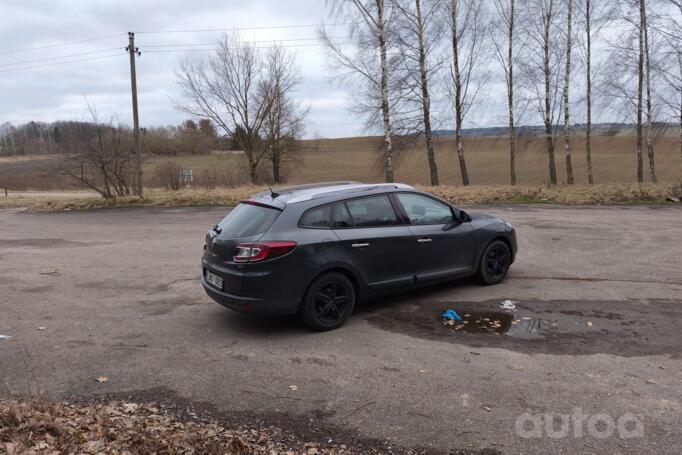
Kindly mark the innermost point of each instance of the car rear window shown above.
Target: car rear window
(247, 220)
(318, 217)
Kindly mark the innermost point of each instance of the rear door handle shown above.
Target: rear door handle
(360, 245)
(425, 240)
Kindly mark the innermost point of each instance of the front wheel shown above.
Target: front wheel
(495, 263)
(328, 303)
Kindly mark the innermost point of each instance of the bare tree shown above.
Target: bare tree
(671, 71)
(595, 15)
(285, 122)
(417, 32)
(542, 66)
(368, 65)
(99, 156)
(467, 32)
(506, 10)
(567, 83)
(232, 89)
(644, 33)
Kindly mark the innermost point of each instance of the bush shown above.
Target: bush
(168, 175)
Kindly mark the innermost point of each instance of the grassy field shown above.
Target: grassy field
(357, 159)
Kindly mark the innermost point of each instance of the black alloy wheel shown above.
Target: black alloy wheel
(329, 302)
(495, 263)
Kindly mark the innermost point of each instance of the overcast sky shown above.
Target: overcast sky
(47, 93)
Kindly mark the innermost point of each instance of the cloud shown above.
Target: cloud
(48, 93)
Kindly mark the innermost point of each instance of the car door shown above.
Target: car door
(445, 247)
(375, 238)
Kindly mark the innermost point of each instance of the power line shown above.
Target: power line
(155, 51)
(214, 43)
(237, 29)
(68, 43)
(59, 63)
(60, 56)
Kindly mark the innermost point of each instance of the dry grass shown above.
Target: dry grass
(227, 197)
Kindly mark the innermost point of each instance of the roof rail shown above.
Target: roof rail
(310, 186)
(324, 192)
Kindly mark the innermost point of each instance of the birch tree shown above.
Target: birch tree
(567, 84)
(506, 9)
(542, 69)
(417, 32)
(368, 64)
(468, 45)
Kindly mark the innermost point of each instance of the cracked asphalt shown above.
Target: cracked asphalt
(599, 292)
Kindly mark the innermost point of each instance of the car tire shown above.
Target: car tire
(328, 303)
(494, 263)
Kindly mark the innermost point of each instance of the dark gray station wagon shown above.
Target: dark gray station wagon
(316, 250)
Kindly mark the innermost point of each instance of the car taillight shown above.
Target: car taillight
(255, 252)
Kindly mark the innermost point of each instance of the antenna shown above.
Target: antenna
(273, 195)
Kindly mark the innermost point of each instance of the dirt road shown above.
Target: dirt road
(596, 335)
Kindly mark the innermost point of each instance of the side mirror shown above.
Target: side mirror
(464, 217)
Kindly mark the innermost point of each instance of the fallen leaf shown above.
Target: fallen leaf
(102, 379)
(650, 381)
(130, 407)
(487, 408)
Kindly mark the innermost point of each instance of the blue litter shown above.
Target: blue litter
(451, 315)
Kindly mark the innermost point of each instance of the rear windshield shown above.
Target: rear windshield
(247, 220)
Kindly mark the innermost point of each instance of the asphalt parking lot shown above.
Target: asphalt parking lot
(597, 335)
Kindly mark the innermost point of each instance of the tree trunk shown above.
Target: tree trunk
(649, 101)
(549, 134)
(458, 94)
(588, 73)
(385, 109)
(510, 96)
(276, 158)
(426, 101)
(567, 112)
(640, 91)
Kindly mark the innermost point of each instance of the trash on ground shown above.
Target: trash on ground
(293, 387)
(508, 305)
(673, 199)
(589, 323)
(51, 272)
(102, 379)
(5, 337)
(42, 328)
(479, 322)
(451, 315)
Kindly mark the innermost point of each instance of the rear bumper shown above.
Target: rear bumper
(249, 304)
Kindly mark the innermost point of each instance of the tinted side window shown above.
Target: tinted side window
(341, 217)
(424, 210)
(319, 217)
(247, 220)
(372, 211)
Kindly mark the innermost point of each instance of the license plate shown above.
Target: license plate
(214, 279)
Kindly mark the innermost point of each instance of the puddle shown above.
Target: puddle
(483, 322)
(501, 322)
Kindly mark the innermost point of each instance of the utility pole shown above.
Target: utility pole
(132, 51)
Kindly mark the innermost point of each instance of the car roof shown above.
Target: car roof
(323, 191)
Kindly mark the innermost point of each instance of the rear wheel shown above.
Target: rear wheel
(495, 263)
(328, 303)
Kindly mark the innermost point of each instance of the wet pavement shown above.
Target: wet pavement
(596, 329)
